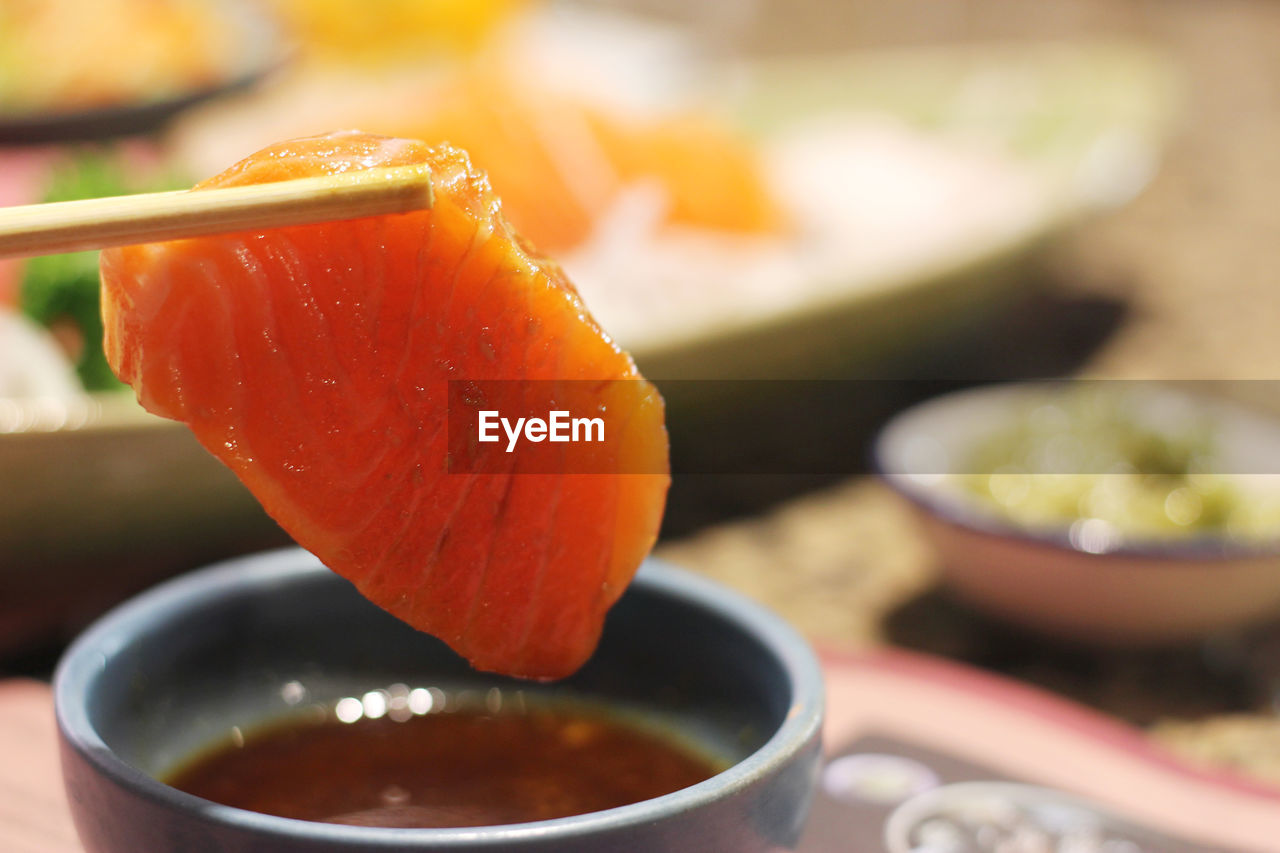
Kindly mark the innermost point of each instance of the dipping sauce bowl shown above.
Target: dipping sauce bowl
(250, 642)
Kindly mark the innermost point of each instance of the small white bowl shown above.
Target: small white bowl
(1063, 581)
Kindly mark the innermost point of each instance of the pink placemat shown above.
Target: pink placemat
(942, 708)
(33, 808)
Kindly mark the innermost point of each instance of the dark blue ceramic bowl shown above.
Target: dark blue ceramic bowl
(175, 669)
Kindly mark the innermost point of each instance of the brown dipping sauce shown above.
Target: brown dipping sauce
(455, 768)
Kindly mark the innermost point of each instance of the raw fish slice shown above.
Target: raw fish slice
(315, 362)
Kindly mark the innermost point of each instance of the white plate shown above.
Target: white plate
(1079, 128)
(98, 484)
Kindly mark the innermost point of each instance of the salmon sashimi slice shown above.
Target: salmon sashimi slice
(316, 361)
(560, 162)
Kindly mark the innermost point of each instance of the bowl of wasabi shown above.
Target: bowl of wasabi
(1105, 512)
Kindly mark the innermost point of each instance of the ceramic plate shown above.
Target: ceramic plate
(910, 184)
(100, 494)
(1066, 130)
(259, 50)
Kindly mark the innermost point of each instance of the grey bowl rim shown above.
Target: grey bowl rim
(1202, 549)
(86, 656)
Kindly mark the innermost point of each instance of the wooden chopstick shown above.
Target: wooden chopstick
(71, 226)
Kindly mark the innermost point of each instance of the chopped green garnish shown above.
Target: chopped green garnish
(1091, 458)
